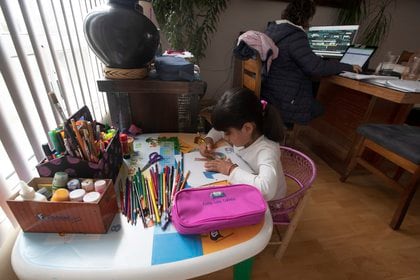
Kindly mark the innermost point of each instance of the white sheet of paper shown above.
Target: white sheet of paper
(194, 162)
(356, 76)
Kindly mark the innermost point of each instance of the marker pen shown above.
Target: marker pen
(47, 151)
(55, 141)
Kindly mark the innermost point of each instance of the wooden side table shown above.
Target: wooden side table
(154, 105)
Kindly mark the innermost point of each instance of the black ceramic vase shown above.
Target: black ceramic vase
(120, 35)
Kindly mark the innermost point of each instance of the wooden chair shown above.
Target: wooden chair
(286, 212)
(399, 144)
(250, 79)
(251, 75)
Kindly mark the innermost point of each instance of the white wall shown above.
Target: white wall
(404, 32)
(243, 15)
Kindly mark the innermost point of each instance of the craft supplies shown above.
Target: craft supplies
(63, 215)
(88, 185)
(100, 186)
(124, 145)
(60, 180)
(130, 143)
(91, 197)
(60, 194)
(45, 192)
(91, 149)
(28, 193)
(77, 195)
(149, 195)
(73, 184)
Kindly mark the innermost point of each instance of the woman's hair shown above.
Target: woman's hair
(299, 12)
(238, 106)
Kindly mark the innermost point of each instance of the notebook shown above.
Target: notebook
(358, 55)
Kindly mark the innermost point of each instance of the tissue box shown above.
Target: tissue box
(67, 216)
(107, 167)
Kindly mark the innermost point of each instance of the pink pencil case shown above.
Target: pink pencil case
(201, 210)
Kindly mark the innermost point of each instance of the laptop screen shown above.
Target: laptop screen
(357, 56)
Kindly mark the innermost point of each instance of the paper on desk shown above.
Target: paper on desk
(406, 85)
(194, 162)
(356, 76)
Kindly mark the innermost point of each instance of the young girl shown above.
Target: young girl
(239, 118)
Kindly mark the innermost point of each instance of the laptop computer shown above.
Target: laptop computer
(358, 55)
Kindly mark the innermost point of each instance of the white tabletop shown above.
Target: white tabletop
(123, 254)
(133, 252)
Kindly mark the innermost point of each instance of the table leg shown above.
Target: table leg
(243, 270)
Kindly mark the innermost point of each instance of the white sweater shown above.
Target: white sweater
(263, 156)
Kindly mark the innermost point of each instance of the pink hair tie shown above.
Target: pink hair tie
(263, 104)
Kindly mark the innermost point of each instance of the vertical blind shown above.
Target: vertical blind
(42, 50)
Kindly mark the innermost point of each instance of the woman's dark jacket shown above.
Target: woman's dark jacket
(288, 85)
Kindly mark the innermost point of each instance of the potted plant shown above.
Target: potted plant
(188, 25)
(372, 14)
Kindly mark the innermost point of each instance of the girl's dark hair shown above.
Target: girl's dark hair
(299, 12)
(238, 106)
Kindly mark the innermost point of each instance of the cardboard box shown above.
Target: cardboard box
(65, 217)
(107, 167)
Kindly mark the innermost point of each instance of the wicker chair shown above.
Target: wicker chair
(286, 212)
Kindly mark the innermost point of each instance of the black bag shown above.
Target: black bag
(171, 68)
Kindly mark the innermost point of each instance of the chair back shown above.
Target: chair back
(301, 169)
(251, 75)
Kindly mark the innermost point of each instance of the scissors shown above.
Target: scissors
(153, 158)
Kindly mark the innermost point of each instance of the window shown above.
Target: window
(42, 50)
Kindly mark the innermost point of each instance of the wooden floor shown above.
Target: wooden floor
(344, 234)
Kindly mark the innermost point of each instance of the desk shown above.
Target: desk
(154, 105)
(349, 103)
(132, 252)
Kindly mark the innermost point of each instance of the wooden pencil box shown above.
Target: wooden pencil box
(67, 216)
(107, 167)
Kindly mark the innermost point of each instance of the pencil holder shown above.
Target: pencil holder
(107, 167)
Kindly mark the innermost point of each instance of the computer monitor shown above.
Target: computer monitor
(331, 41)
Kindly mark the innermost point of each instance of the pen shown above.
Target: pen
(182, 162)
(47, 151)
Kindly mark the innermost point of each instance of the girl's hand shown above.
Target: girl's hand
(219, 165)
(206, 147)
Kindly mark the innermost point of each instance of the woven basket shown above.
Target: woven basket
(119, 73)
